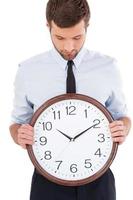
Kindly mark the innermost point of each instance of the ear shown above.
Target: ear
(47, 24)
(87, 25)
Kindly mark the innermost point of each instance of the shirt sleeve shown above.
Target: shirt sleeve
(22, 108)
(116, 103)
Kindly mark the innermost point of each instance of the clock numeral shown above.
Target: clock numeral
(47, 155)
(86, 113)
(70, 110)
(73, 168)
(47, 126)
(56, 115)
(98, 152)
(59, 163)
(43, 140)
(102, 137)
(97, 122)
(88, 164)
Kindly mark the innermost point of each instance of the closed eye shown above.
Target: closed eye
(60, 38)
(77, 37)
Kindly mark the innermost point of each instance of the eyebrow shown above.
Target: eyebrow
(72, 37)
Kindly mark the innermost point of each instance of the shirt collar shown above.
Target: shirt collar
(78, 59)
(63, 63)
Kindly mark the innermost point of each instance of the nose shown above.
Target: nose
(68, 46)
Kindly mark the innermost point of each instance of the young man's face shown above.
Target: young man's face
(68, 41)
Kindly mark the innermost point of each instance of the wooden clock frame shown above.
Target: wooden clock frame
(73, 182)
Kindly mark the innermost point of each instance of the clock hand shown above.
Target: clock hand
(63, 150)
(83, 131)
(70, 138)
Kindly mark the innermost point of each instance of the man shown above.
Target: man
(44, 76)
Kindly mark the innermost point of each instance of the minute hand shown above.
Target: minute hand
(83, 132)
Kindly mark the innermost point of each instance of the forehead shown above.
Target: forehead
(78, 29)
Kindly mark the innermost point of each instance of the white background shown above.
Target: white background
(23, 34)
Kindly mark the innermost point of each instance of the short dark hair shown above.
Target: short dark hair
(67, 13)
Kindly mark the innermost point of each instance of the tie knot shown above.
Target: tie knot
(70, 63)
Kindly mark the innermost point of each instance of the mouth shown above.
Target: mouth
(69, 56)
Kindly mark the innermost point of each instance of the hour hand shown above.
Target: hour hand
(70, 138)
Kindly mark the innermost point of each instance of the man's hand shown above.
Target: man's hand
(118, 131)
(25, 135)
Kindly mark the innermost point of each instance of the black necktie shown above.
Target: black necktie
(70, 82)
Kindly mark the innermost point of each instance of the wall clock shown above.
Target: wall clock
(72, 140)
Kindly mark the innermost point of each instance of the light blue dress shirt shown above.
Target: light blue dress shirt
(44, 76)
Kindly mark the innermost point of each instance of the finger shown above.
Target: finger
(23, 142)
(27, 126)
(25, 136)
(118, 134)
(25, 131)
(120, 140)
(116, 123)
(117, 128)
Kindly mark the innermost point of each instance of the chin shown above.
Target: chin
(69, 57)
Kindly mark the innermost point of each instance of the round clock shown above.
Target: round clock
(72, 140)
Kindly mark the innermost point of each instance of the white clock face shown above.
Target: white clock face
(72, 140)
